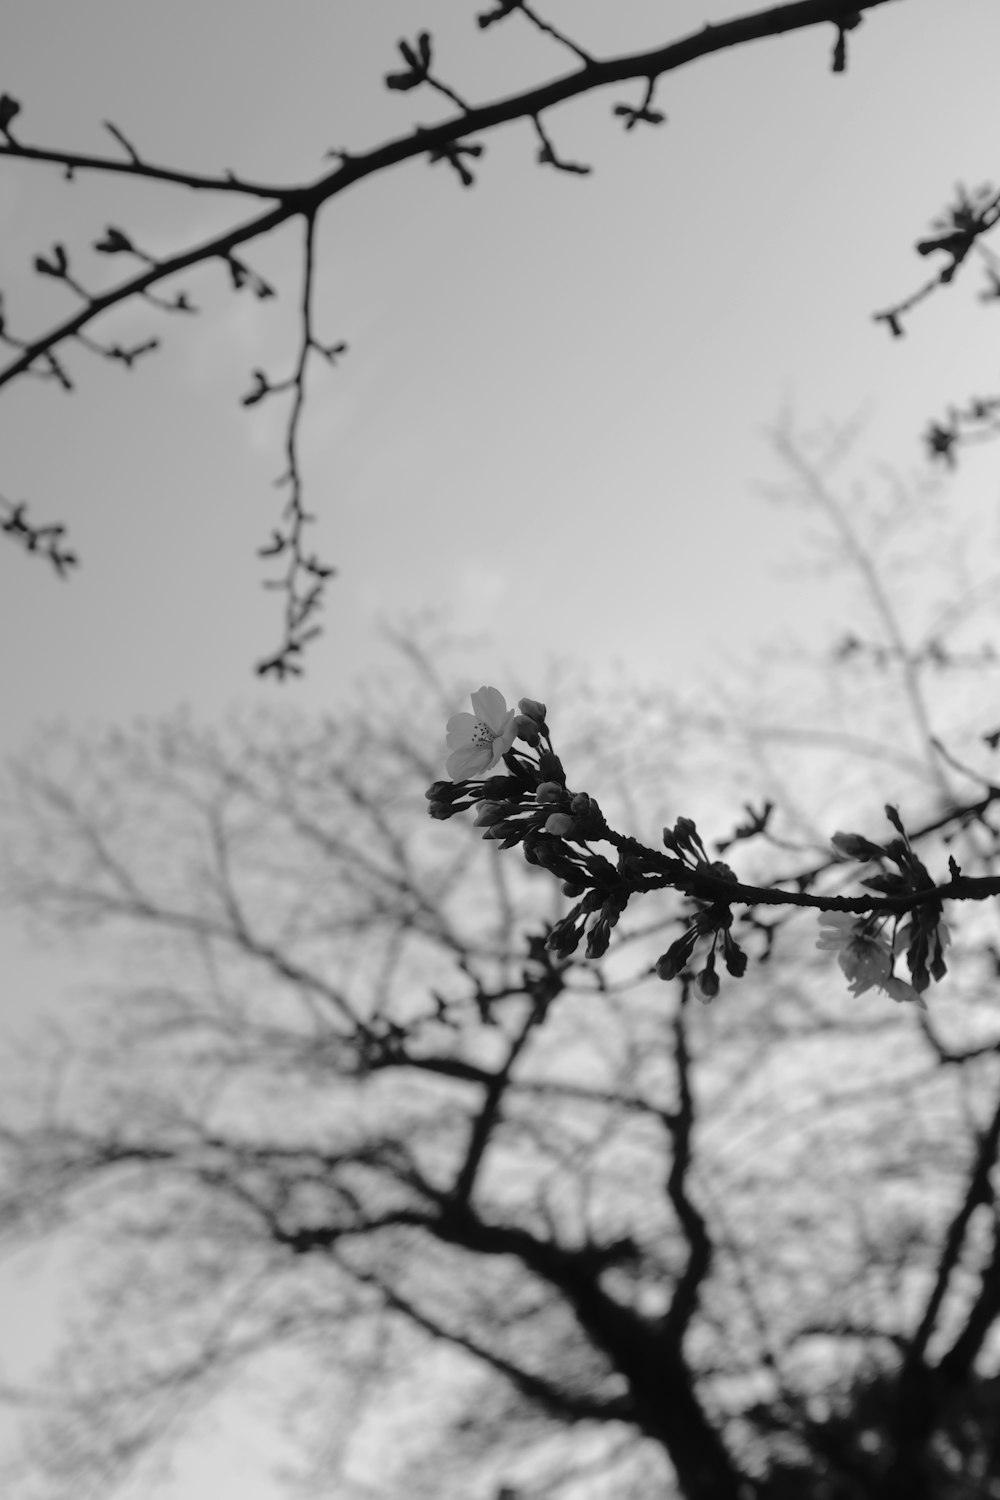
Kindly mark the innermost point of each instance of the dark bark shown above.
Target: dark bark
(662, 1386)
(925, 1393)
(669, 1412)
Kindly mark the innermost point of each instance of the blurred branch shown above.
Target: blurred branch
(684, 1300)
(46, 540)
(922, 1391)
(957, 231)
(489, 1112)
(864, 564)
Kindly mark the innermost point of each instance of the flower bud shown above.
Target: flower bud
(856, 846)
(708, 981)
(560, 824)
(489, 813)
(498, 830)
(549, 791)
(598, 938)
(527, 729)
(551, 767)
(532, 709)
(736, 959)
(565, 935)
(670, 964)
(440, 791)
(501, 788)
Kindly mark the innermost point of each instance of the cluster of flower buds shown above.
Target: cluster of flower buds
(684, 841)
(596, 914)
(711, 922)
(532, 806)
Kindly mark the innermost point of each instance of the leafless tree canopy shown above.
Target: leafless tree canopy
(495, 1218)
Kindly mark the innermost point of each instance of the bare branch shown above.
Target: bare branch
(305, 577)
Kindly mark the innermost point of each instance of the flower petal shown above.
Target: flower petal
(901, 991)
(490, 705)
(459, 729)
(469, 760)
(505, 738)
(839, 922)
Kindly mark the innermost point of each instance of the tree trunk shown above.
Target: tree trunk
(668, 1411)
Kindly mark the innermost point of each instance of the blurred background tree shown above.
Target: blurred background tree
(340, 1140)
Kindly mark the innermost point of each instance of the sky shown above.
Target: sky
(552, 423)
(553, 418)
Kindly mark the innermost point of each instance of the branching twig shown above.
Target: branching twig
(305, 575)
(449, 140)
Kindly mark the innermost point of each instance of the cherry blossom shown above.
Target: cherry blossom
(864, 956)
(478, 740)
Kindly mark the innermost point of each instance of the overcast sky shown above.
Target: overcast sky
(552, 421)
(554, 410)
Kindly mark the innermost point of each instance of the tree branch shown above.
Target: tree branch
(305, 577)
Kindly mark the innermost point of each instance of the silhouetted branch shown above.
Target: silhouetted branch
(305, 574)
(304, 580)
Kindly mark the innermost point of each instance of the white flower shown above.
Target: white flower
(865, 957)
(478, 740)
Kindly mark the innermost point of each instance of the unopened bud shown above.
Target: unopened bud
(736, 959)
(532, 709)
(560, 824)
(489, 813)
(708, 981)
(856, 846)
(500, 788)
(565, 935)
(670, 964)
(551, 767)
(526, 729)
(549, 791)
(599, 938)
